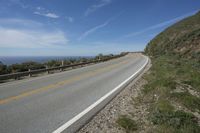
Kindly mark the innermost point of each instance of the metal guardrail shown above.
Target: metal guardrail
(32, 72)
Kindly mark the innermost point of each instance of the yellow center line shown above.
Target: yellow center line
(61, 83)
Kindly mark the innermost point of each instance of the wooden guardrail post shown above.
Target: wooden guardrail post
(29, 72)
(47, 70)
(16, 77)
(62, 64)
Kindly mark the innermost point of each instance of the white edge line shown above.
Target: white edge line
(77, 117)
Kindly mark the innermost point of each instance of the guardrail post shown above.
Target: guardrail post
(62, 64)
(47, 70)
(16, 77)
(29, 72)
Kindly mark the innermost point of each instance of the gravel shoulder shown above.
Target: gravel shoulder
(124, 103)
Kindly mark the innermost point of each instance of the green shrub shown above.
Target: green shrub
(128, 124)
(176, 119)
(188, 100)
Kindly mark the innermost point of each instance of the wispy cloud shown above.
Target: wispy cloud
(95, 7)
(39, 8)
(94, 29)
(19, 3)
(44, 12)
(20, 23)
(70, 19)
(49, 14)
(20, 33)
(160, 25)
(90, 31)
(15, 38)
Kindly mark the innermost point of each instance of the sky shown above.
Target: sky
(85, 27)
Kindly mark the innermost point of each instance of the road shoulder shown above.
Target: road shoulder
(105, 120)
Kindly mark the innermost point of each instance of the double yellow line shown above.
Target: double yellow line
(61, 83)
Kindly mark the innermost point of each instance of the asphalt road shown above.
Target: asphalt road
(43, 104)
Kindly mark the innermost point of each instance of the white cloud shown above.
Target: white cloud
(15, 38)
(19, 23)
(95, 7)
(92, 30)
(49, 14)
(19, 3)
(160, 25)
(70, 19)
(44, 12)
(40, 8)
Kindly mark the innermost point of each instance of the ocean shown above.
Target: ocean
(9, 60)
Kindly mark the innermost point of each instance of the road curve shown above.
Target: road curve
(43, 104)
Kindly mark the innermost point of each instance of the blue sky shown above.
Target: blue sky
(85, 27)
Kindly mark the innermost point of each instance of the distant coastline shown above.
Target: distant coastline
(9, 60)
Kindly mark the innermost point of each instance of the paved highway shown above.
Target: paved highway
(43, 104)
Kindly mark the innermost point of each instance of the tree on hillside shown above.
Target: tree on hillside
(53, 63)
(26, 66)
(3, 69)
(99, 56)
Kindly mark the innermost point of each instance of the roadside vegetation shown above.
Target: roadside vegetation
(172, 95)
(5, 69)
(128, 124)
(172, 92)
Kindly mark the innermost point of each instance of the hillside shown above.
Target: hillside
(173, 82)
(171, 95)
(182, 38)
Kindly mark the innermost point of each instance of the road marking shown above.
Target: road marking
(77, 117)
(61, 83)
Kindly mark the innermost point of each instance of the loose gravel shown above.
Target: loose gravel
(123, 104)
